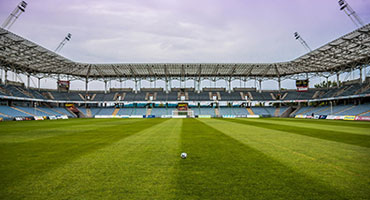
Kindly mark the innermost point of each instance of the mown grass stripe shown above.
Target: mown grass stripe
(338, 165)
(35, 157)
(337, 136)
(32, 130)
(220, 167)
(332, 126)
(352, 124)
(137, 167)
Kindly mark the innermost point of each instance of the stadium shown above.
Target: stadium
(242, 142)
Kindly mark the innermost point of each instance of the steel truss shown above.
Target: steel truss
(349, 52)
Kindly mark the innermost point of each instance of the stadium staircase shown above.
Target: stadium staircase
(272, 96)
(287, 112)
(116, 96)
(43, 111)
(25, 92)
(344, 110)
(250, 95)
(147, 96)
(291, 112)
(155, 96)
(72, 113)
(82, 97)
(17, 109)
(284, 95)
(217, 112)
(316, 94)
(57, 111)
(88, 112)
(364, 113)
(148, 111)
(218, 96)
(115, 111)
(1, 114)
(242, 95)
(48, 95)
(210, 96)
(93, 97)
(277, 112)
(250, 111)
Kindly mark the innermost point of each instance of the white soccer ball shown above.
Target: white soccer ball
(184, 155)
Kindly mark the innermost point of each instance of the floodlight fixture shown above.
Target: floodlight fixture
(350, 13)
(302, 41)
(64, 41)
(21, 8)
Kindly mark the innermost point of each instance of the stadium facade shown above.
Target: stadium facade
(345, 100)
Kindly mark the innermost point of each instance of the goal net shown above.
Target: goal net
(183, 113)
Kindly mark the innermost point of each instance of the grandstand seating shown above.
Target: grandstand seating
(264, 110)
(19, 111)
(162, 111)
(95, 111)
(337, 110)
(204, 111)
(83, 110)
(345, 90)
(105, 111)
(233, 111)
(131, 111)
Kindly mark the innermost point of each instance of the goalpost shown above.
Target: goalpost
(183, 113)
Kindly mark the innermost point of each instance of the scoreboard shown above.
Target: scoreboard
(182, 106)
(63, 86)
(302, 85)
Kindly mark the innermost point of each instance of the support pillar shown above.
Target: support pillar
(260, 85)
(170, 84)
(105, 86)
(6, 77)
(361, 80)
(338, 84)
(327, 82)
(279, 84)
(166, 87)
(199, 87)
(229, 85)
(86, 85)
(136, 89)
(28, 81)
(38, 83)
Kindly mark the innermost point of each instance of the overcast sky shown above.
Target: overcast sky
(112, 31)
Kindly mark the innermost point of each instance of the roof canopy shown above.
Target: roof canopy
(346, 52)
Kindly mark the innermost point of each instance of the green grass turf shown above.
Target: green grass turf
(227, 159)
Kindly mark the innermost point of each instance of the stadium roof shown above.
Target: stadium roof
(347, 52)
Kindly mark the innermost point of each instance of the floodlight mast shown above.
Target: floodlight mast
(302, 41)
(64, 41)
(21, 8)
(350, 13)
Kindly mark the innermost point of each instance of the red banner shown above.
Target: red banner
(363, 118)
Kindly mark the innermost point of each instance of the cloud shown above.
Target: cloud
(113, 31)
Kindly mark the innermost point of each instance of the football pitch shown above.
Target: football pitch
(227, 159)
